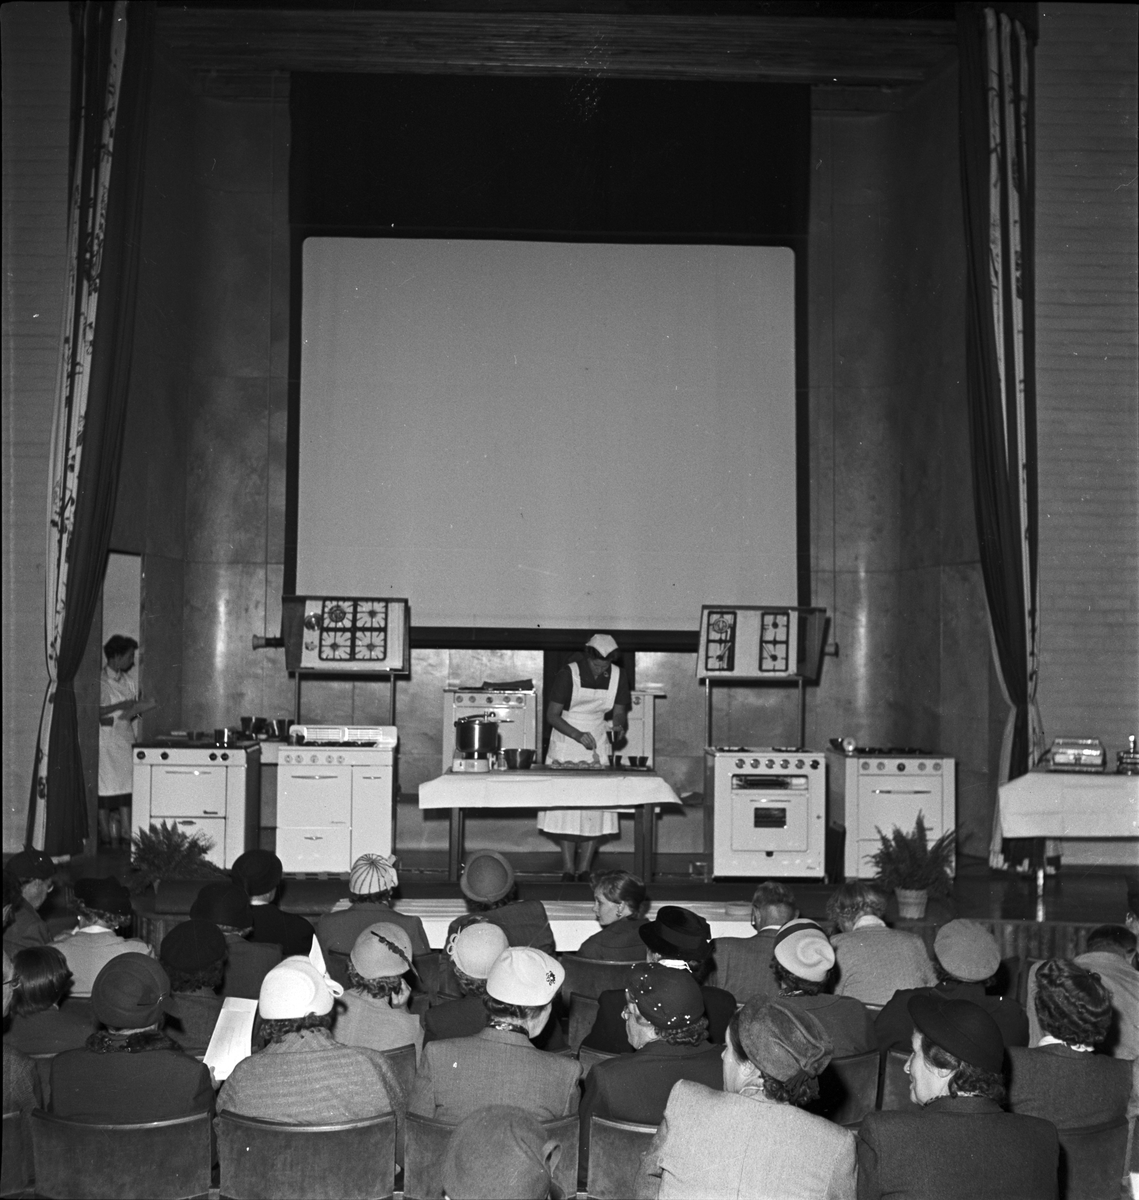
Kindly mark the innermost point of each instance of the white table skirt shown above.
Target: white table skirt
(546, 789)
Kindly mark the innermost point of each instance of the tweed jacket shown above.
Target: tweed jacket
(616, 942)
(743, 965)
(608, 1032)
(190, 1019)
(875, 962)
(276, 928)
(494, 1066)
(52, 1031)
(338, 931)
(523, 921)
(846, 1020)
(89, 950)
(308, 1078)
(724, 1146)
(454, 1019)
(363, 1020)
(1122, 980)
(247, 965)
(957, 1148)
(893, 1027)
(1071, 1088)
(22, 1089)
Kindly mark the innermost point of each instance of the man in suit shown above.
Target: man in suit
(960, 1145)
(743, 964)
(260, 872)
(498, 1065)
(1111, 953)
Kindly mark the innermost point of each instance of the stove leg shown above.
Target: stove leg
(643, 830)
(455, 845)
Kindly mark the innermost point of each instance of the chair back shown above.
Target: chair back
(582, 1014)
(895, 1082)
(402, 1062)
(425, 1145)
(1093, 1161)
(590, 978)
(615, 1149)
(848, 1088)
(83, 1161)
(589, 1058)
(16, 1166)
(567, 1131)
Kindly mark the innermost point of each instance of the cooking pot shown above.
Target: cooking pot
(476, 735)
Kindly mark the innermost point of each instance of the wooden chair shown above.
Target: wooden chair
(895, 1089)
(82, 1161)
(1093, 1161)
(16, 1166)
(589, 1058)
(402, 1062)
(589, 978)
(582, 1014)
(848, 1088)
(615, 1149)
(266, 1160)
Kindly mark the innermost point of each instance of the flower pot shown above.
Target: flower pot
(911, 903)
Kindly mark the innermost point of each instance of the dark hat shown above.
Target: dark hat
(669, 998)
(488, 877)
(967, 950)
(499, 1153)
(193, 946)
(223, 903)
(258, 871)
(30, 864)
(783, 1041)
(678, 933)
(104, 895)
(130, 992)
(962, 1028)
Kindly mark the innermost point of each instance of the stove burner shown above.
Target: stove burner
(893, 752)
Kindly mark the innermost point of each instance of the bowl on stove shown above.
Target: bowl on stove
(518, 760)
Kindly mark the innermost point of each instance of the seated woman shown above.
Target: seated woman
(375, 1004)
(619, 903)
(472, 951)
(193, 954)
(39, 1025)
(104, 909)
(960, 1144)
(752, 1141)
(1062, 1079)
(226, 905)
(488, 884)
(21, 1081)
(370, 887)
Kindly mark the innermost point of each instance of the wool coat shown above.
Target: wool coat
(893, 1027)
(1071, 1088)
(608, 1032)
(743, 965)
(618, 941)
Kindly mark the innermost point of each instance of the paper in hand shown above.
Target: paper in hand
(232, 1038)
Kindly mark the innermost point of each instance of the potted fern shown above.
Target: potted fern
(163, 853)
(913, 867)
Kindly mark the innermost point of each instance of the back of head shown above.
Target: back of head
(224, 903)
(382, 951)
(670, 1001)
(130, 992)
(804, 952)
(294, 989)
(678, 934)
(193, 954)
(1072, 1003)
(105, 900)
(499, 1153)
(476, 948)
(525, 977)
(967, 951)
(1111, 939)
(621, 887)
(30, 864)
(850, 901)
(257, 871)
(786, 1043)
(960, 1036)
(773, 904)
(372, 875)
(43, 977)
(488, 878)
(118, 644)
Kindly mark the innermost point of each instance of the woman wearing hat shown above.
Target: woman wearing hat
(589, 697)
(752, 1141)
(193, 954)
(226, 905)
(960, 1145)
(488, 884)
(104, 908)
(379, 988)
(33, 872)
(472, 952)
(260, 873)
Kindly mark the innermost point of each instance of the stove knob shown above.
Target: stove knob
(798, 764)
(814, 764)
(921, 766)
(901, 766)
(224, 757)
(164, 756)
(770, 763)
(328, 758)
(213, 757)
(783, 764)
(754, 763)
(315, 758)
(881, 766)
(739, 762)
(937, 766)
(340, 758)
(866, 766)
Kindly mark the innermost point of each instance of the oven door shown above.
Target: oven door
(770, 812)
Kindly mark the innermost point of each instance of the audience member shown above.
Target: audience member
(498, 1065)
(22, 1088)
(960, 1145)
(500, 1153)
(874, 961)
(260, 872)
(302, 1075)
(34, 872)
(130, 1071)
(13, 897)
(802, 964)
(619, 904)
(488, 883)
(752, 1141)
(104, 908)
(1111, 954)
(1062, 1079)
(967, 960)
(680, 939)
(743, 964)
(472, 952)
(375, 1003)
(193, 954)
(370, 887)
(38, 1024)
(226, 905)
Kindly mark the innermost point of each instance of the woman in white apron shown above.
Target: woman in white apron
(578, 734)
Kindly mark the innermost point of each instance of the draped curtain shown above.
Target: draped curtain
(997, 180)
(112, 48)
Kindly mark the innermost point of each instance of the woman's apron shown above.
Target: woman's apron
(586, 712)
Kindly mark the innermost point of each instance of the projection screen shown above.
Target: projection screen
(547, 434)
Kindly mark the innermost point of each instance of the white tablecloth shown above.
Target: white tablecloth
(546, 789)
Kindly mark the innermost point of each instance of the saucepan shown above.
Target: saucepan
(518, 760)
(476, 735)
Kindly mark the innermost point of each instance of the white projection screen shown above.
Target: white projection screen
(520, 434)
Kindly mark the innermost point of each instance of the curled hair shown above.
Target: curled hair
(468, 985)
(44, 975)
(791, 984)
(1072, 1003)
(277, 1030)
(490, 905)
(966, 1080)
(798, 1094)
(371, 897)
(518, 1014)
(682, 1035)
(854, 900)
(619, 887)
(1116, 939)
(102, 917)
(771, 895)
(118, 644)
(383, 987)
(208, 979)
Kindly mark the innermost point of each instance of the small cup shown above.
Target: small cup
(246, 724)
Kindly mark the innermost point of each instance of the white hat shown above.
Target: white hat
(523, 975)
(475, 948)
(372, 873)
(295, 988)
(382, 951)
(603, 644)
(802, 948)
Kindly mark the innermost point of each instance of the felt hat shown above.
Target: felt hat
(224, 903)
(30, 864)
(294, 988)
(677, 933)
(488, 877)
(130, 992)
(667, 998)
(104, 895)
(802, 948)
(382, 951)
(499, 1153)
(967, 950)
(603, 644)
(372, 873)
(523, 975)
(258, 871)
(786, 1043)
(193, 946)
(961, 1027)
(476, 947)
